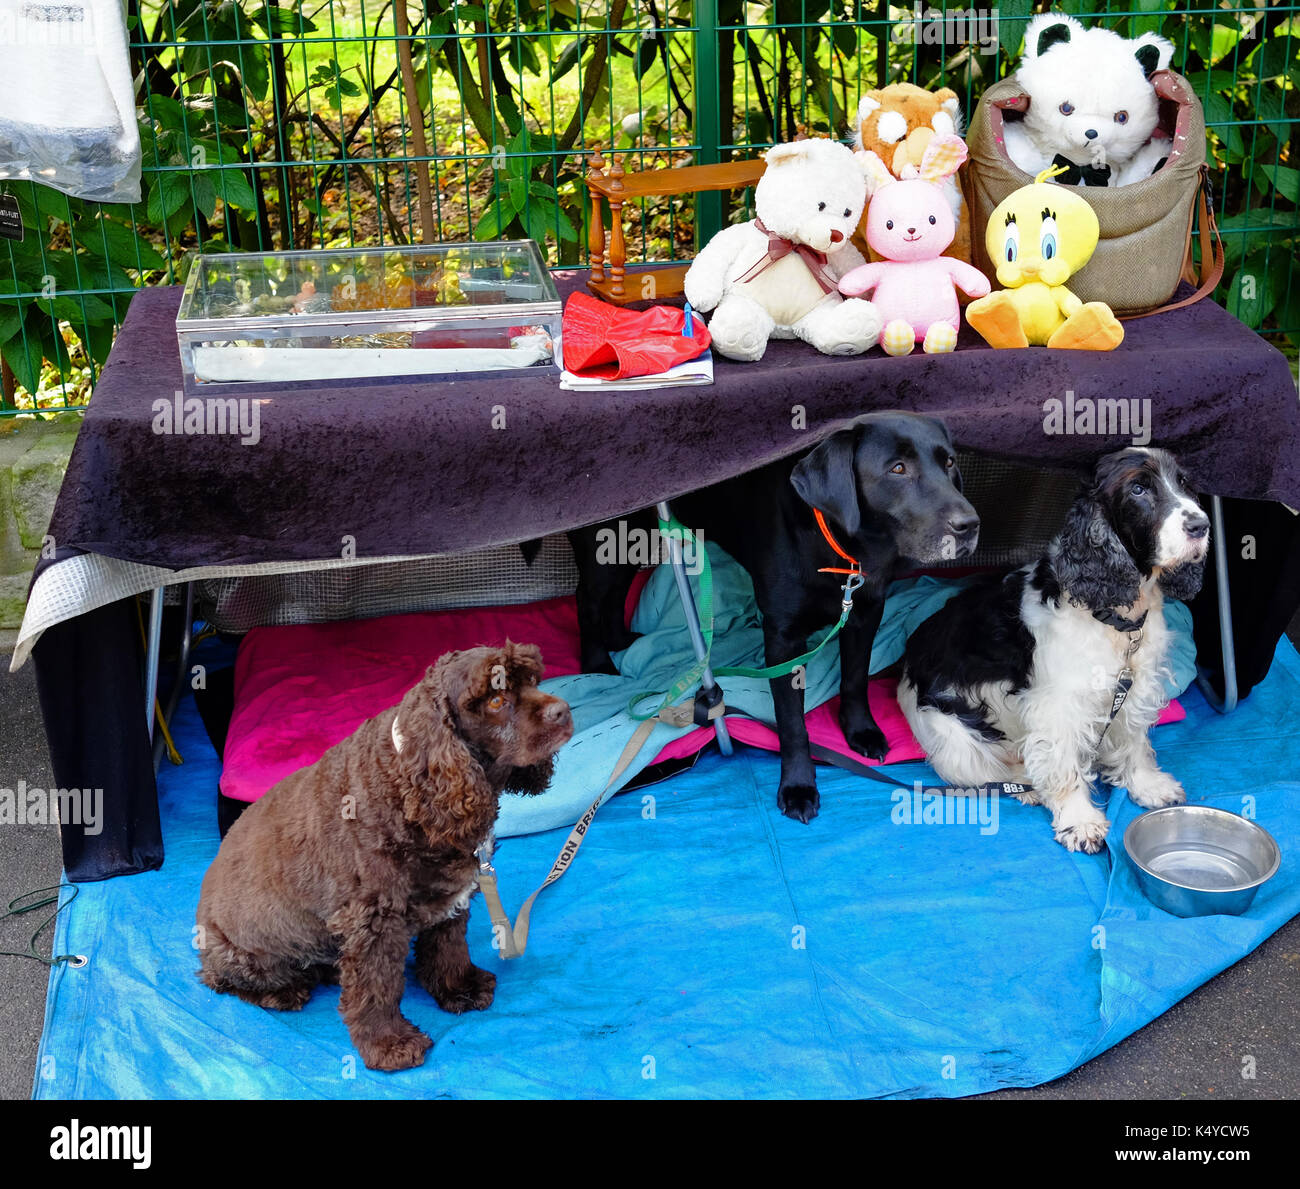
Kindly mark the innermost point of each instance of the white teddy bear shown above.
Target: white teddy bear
(777, 275)
(1091, 103)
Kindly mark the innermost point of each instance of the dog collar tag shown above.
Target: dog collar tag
(398, 737)
(1123, 683)
(11, 218)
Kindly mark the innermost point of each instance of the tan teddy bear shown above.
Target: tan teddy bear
(897, 123)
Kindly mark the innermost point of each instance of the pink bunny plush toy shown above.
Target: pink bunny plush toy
(910, 223)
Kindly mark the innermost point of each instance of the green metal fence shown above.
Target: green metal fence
(291, 124)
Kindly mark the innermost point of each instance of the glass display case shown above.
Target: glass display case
(362, 313)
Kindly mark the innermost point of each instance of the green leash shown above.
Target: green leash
(690, 676)
(16, 910)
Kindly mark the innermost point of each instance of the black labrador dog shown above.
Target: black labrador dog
(890, 491)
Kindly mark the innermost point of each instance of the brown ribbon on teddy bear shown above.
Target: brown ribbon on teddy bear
(779, 247)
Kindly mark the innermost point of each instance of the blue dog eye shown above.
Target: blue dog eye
(1066, 108)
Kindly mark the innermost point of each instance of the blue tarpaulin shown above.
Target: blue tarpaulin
(705, 945)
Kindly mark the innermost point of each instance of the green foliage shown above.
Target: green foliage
(522, 202)
(78, 264)
(332, 82)
(1245, 76)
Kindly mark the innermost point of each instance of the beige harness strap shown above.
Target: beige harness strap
(513, 940)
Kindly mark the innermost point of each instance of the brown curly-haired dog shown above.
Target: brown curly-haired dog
(332, 872)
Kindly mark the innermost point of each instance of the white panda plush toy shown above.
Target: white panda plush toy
(1092, 107)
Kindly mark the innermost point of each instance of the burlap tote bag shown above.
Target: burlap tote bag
(1145, 247)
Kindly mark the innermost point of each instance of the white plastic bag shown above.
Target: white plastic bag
(67, 104)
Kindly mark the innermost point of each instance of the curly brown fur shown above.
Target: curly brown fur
(333, 872)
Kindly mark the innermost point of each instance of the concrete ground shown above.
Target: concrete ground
(29, 858)
(1196, 1050)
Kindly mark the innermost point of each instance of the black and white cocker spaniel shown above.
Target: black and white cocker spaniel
(1055, 672)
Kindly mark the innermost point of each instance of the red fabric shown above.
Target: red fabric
(300, 690)
(608, 343)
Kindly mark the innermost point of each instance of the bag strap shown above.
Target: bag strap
(1212, 257)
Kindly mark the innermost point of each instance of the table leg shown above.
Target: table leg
(178, 683)
(151, 656)
(1228, 702)
(693, 623)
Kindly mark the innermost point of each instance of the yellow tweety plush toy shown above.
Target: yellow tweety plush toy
(1039, 236)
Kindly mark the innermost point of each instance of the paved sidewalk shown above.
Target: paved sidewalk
(29, 858)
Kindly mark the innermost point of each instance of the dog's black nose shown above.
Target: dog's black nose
(963, 523)
(1091, 134)
(1196, 527)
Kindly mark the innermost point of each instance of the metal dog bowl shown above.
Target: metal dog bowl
(1195, 861)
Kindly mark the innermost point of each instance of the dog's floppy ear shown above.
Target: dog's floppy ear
(1090, 560)
(826, 479)
(444, 783)
(525, 664)
(1182, 582)
(524, 660)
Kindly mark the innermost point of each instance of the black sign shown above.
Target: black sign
(11, 218)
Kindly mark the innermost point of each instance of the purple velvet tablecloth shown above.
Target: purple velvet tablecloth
(414, 468)
(418, 467)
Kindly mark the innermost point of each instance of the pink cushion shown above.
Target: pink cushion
(824, 728)
(299, 690)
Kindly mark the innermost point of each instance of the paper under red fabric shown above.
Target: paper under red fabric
(608, 343)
